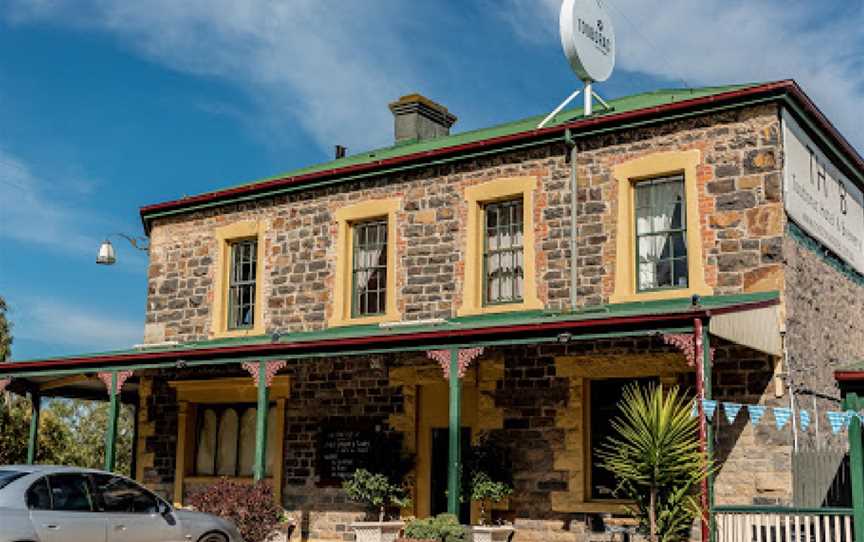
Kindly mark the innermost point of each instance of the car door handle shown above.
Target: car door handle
(52, 527)
(119, 527)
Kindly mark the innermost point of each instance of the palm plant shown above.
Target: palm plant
(655, 456)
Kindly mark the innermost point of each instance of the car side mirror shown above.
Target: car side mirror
(165, 510)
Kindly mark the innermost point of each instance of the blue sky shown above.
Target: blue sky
(107, 105)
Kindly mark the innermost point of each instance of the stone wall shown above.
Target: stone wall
(824, 332)
(739, 198)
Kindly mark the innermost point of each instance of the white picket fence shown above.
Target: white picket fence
(771, 524)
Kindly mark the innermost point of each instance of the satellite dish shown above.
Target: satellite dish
(588, 39)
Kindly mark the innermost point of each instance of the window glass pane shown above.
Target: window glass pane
(369, 273)
(605, 395)
(503, 252)
(9, 476)
(241, 290)
(661, 249)
(38, 497)
(70, 493)
(115, 494)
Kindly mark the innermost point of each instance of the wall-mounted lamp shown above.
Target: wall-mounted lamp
(107, 256)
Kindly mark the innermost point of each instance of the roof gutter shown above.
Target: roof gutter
(436, 338)
(579, 128)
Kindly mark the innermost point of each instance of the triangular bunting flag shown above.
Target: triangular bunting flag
(781, 416)
(709, 406)
(804, 416)
(731, 410)
(837, 420)
(756, 412)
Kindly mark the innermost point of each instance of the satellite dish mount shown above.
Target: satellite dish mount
(588, 40)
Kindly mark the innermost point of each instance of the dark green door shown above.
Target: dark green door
(440, 452)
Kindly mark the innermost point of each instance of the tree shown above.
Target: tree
(654, 454)
(5, 332)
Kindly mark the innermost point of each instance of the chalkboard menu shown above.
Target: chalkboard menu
(341, 451)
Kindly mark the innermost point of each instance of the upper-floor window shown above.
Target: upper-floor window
(661, 233)
(369, 268)
(503, 252)
(242, 284)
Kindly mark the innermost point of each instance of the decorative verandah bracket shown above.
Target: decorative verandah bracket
(270, 370)
(113, 381)
(4, 382)
(686, 343)
(464, 358)
(262, 373)
(107, 378)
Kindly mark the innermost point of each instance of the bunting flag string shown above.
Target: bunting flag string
(731, 410)
(709, 406)
(782, 415)
(756, 412)
(804, 418)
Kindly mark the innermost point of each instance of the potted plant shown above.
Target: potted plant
(490, 484)
(441, 528)
(654, 454)
(379, 494)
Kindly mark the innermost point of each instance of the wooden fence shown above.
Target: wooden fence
(774, 524)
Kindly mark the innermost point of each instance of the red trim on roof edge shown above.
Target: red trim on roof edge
(849, 376)
(393, 340)
(778, 87)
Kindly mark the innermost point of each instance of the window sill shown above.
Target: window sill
(228, 334)
(659, 295)
(526, 305)
(364, 320)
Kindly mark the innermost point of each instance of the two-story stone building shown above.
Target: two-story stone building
(504, 282)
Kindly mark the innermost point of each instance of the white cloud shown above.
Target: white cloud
(31, 210)
(819, 44)
(62, 323)
(329, 66)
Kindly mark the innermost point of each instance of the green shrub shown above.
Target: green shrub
(484, 490)
(656, 458)
(443, 527)
(375, 491)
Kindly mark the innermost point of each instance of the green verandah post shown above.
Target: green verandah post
(709, 433)
(856, 464)
(260, 470)
(454, 465)
(111, 435)
(33, 440)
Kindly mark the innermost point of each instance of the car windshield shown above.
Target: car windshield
(9, 476)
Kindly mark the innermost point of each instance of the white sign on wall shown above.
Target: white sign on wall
(819, 198)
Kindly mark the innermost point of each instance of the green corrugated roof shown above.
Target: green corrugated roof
(617, 310)
(634, 102)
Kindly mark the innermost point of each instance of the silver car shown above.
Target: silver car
(64, 504)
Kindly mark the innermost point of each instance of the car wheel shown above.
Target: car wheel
(213, 537)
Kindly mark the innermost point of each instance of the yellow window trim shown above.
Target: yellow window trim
(345, 216)
(472, 288)
(644, 168)
(225, 235)
(191, 393)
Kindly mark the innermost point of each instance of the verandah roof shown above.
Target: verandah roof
(533, 327)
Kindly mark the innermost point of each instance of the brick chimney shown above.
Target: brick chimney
(417, 118)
